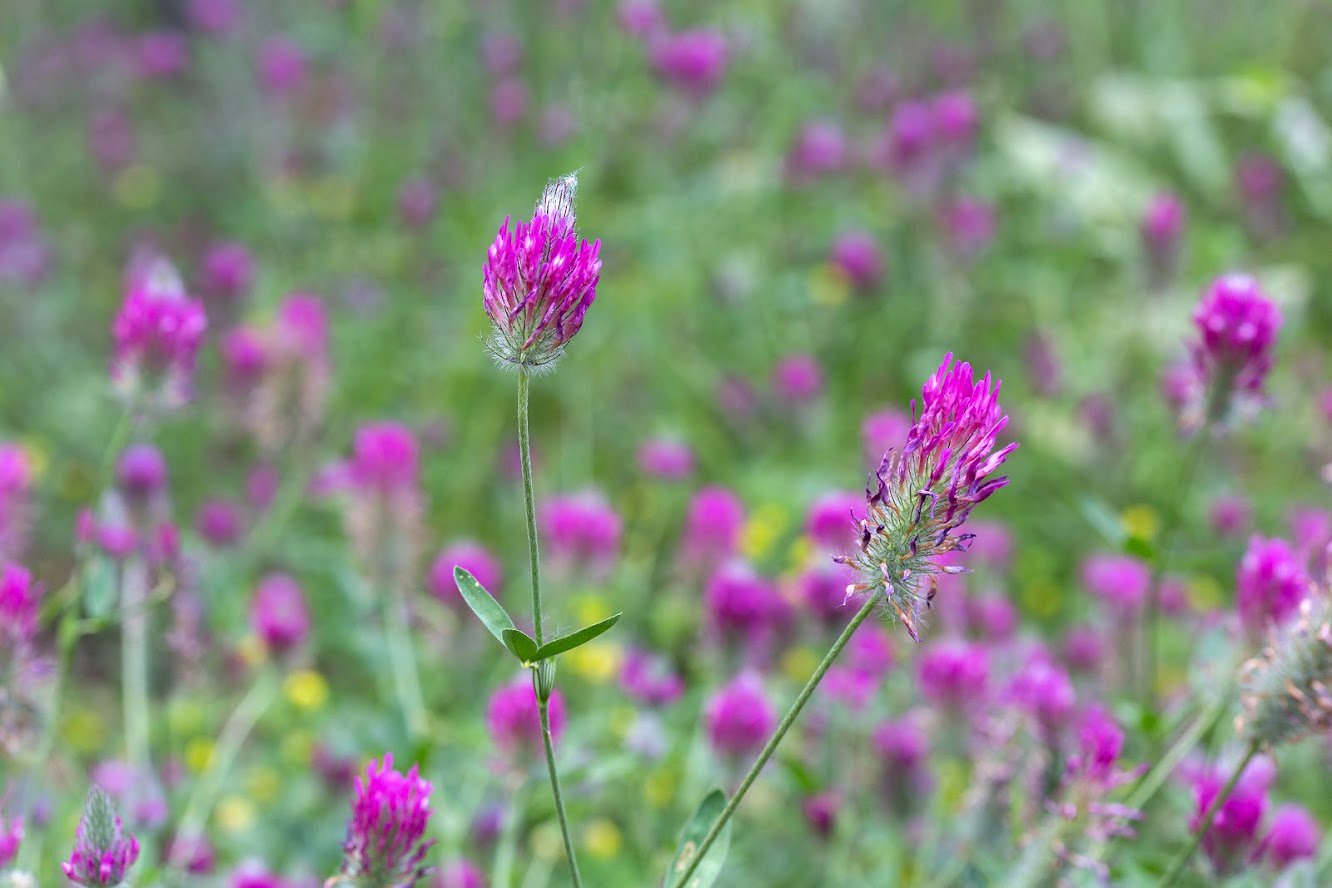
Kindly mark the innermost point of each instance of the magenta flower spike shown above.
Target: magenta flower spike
(539, 281)
(102, 853)
(386, 843)
(20, 600)
(1238, 327)
(157, 333)
(923, 492)
(1270, 584)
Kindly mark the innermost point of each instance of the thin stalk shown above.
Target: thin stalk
(771, 746)
(1208, 817)
(525, 453)
(559, 796)
(402, 659)
(534, 556)
(238, 727)
(134, 661)
(1152, 613)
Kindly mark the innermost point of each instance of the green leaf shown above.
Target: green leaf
(483, 604)
(520, 644)
(1140, 548)
(574, 639)
(99, 588)
(694, 832)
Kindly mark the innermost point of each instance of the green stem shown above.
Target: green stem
(534, 556)
(402, 658)
(525, 453)
(134, 661)
(238, 726)
(559, 796)
(1151, 616)
(1208, 817)
(771, 746)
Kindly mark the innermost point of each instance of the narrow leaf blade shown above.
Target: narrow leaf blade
(520, 644)
(483, 604)
(694, 832)
(575, 639)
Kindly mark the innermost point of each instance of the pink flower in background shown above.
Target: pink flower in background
(883, 430)
(1233, 836)
(418, 201)
(833, 520)
(819, 148)
(508, 102)
(1238, 326)
(856, 255)
(20, 602)
(25, 256)
(738, 600)
(1162, 230)
(502, 54)
(739, 717)
(157, 332)
(694, 62)
(666, 458)
(385, 460)
(797, 379)
(1230, 514)
(1293, 835)
(954, 673)
(220, 522)
(1270, 584)
(15, 500)
(712, 526)
(639, 18)
(459, 873)
(111, 139)
(650, 679)
(227, 273)
(969, 224)
(581, 531)
(279, 614)
(1120, 581)
(213, 16)
(162, 54)
(514, 719)
(282, 66)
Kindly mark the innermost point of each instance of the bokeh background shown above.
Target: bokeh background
(802, 206)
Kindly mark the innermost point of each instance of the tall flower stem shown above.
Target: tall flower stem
(1180, 862)
(785, 725)
(534, 555)
(134, 616)
(1151, 635)
(402, 659)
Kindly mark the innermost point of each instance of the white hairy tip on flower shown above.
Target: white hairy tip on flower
(557, 200)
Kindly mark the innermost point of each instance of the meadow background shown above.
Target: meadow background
(367, 152)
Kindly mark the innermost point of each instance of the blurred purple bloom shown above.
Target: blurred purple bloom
(514, 720)
(797, 379)
(739, 717)
(162, 54)
(471, 557)
(666, 458)
(20, 600)
(833, 520)
(220, 522)
(1230, 514)
(819, 148)
(738, 600)
(279, 614)
(418, 200)
(649, 679)
(157, 333)
(1233, 836)
(281, 66)
(141, 473)
(1270, 584)
(856, 255)
(712, 526)
(954, 673)
(459, 873)
(693, 62)
(15, 500)
(1238, 327)
(102, 852)
(1293, 835)
(1162, 229)
(227, 273)
(385, 460)
(1120, 581)
(582, 531)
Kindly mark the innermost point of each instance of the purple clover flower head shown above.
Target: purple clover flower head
(1233, 836)
(472, 557)
(227, 273)
(539, 281)
(25, 255)
(1083, 649)
(712, 526)
(855, 254)
(20, 599)
(739, 717)
(1162, 229)
(15, 500)
(281, 66)
(738, 600)
(385, 459)
(819, 148)
(244, 358)
(1120, 581)
(910, 137)
(1293, 835)
(1238, 327)
(797, 379)
(459, 873)
(922, 493)
(141, 473)
(220, 522)
(639, 18)
(1230, 514)
(650, 679)
(102, 853)
(1100, 740)
(954, 673)
(11, 836)
(161, 55)
(157, 333)
(820, 812)
(956, 119)
(877, 89)
(418, 201)
(514, 719)
(279, 614)
(667, 459)
(1045, 691)
(694, 62)
(1270, 584)
(508, 102)
(969, 223)
(582, 531)
(386, 842)
(212, 16)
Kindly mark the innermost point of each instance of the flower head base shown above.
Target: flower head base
(539, 281)
(158, 333)
(1238, 325)
(102, 852)
(1287, 690)
(385, 843)
(921, 494)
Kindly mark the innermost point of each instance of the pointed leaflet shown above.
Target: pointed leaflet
(520, 644)
(710, 868)
(483, 604)
(574, 639)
